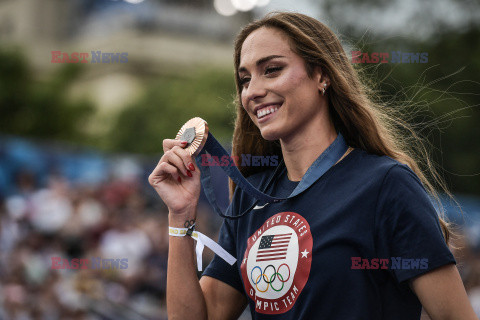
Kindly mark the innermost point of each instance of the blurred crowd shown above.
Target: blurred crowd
(118, 219)
(467, 255)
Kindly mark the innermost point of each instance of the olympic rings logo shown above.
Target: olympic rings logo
(270, 278)
(189, 223)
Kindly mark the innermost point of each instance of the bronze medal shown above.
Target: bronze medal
(195, 132)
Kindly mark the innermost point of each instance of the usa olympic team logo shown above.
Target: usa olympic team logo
(277, 262)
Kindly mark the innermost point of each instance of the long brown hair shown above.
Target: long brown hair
(363, 122)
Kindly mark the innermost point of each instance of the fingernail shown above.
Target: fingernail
(191, 167)
(179, 180)
(189, 174)
(184, 142)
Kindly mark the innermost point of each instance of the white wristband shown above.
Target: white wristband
(202, 241)
(177, 232)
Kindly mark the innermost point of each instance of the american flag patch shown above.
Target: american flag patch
(273, 247)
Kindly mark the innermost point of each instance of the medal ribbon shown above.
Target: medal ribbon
(322, 164)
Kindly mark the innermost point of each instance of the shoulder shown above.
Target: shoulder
(372, 162)
(363, 165)
(390, 171)
(399, 187)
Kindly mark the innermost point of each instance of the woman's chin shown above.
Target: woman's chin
(269, 135)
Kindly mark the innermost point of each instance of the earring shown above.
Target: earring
(324, 88)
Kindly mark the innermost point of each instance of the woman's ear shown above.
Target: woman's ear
(323, 81)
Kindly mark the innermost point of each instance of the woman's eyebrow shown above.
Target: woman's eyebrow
(261, 61)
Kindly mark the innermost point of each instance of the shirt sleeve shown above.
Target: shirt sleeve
(219, 268)
(408, 230)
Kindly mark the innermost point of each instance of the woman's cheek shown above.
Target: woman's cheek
(243, 101)
(294, 77)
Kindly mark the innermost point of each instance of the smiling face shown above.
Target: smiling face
(276, 91)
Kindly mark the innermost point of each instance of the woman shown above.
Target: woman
(359, 240)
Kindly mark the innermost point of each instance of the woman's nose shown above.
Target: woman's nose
(256, 89)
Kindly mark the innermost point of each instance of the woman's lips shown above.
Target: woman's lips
(266, 113)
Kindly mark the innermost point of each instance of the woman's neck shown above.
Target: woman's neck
(303, 147)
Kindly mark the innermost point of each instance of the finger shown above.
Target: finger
(187, 159)
(162, 171)
(174, 157)
(168, 144)
(158, 167)
(195, 165)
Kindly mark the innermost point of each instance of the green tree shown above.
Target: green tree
(441, 97)
(167, 104)
(40, 108)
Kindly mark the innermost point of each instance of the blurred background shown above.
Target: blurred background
(78, 140)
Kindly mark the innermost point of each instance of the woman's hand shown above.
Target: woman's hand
(176, 179)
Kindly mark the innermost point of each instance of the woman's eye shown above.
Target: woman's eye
(244, 81)
(272, 70)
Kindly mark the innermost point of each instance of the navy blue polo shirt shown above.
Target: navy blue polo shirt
(344, 248)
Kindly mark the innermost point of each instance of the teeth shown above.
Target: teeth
(265, 111)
